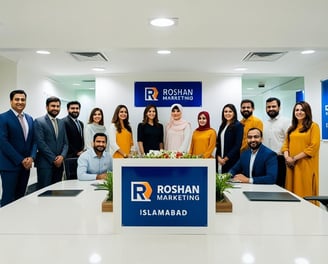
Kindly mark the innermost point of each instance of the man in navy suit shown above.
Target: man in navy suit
(258, 164)
(17, 148)
(52, 144)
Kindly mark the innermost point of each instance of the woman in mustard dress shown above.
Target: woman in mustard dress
(301, 152)
(120, 133)
(203, 138)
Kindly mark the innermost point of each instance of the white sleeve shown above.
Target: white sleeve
(186, 140)
(112, 139)
(88, 134)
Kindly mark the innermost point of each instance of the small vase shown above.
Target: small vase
(224, 206)
(107, 206)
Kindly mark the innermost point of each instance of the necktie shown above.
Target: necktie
(78, 126)
(23, 125)
(54, 122)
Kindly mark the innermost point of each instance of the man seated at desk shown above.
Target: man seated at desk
(258, 164)
(94, 163)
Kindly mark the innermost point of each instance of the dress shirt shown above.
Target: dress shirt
(274, 132)
(90, 165)
(22, 120)
(251, 163)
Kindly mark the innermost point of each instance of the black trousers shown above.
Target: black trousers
(281, 176)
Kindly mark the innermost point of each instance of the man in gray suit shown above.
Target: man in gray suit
(52, 144)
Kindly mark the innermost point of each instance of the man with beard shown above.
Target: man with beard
(94, 163)
(258, 164)
(52, 144)
(74, 130)
(274, 133)
(248, 121)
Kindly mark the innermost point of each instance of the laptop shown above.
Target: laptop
(60, 193)
(271, 196)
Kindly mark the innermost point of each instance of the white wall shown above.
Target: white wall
(217, 90)
(8, 73)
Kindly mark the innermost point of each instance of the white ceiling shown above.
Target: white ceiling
(212, 36)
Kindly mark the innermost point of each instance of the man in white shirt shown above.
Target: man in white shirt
(94, 163)
(274, 134)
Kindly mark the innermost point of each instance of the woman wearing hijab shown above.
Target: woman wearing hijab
(177, 131)
(204, 137)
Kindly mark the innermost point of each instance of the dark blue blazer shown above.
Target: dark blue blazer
(265, 167)
(13, 147)
(48, 145)
(233, 137)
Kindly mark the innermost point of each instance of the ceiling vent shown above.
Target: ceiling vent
(89, 56)
(264, 56)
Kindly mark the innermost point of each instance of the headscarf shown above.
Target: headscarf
(177, 124)
(207, 125)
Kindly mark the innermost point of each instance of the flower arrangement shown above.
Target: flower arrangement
(222, 184)
(165, 154)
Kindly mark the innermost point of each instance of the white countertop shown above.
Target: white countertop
(74, 230)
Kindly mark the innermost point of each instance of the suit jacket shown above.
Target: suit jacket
(74, 137)
(48, 145)
(265, 167)
(13, 147)
(233, 138)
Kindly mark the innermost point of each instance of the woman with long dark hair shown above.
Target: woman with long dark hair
(95, 125)
(120, 133)
(150, 131)
(301, 152)
(229, 139)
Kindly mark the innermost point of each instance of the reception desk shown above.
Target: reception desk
(74, 230)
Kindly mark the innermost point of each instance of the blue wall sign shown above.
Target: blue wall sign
(164, 196)
(167, 93)
(324, 107)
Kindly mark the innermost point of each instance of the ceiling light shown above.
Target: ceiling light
(97, 69)
(43, 52)
(163, 52)
(163, 22)
(76, 84)
(308, 52)
(241, 69)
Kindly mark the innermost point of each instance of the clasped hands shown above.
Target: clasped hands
(290, 162)
(27, 163)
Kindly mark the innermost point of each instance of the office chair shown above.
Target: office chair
(322, 199)
(70, 167)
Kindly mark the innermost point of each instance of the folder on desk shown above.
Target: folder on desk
(271, 196)
(60, 193)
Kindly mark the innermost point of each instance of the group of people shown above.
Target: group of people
(290, 148)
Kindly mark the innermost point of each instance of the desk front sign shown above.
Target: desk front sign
(164, 196)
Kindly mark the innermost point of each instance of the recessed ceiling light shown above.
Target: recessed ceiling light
(98, 69)
(76, 84)
(308, 52)
(43, 52)
(163, 52)
(241, 69)
(163, 22)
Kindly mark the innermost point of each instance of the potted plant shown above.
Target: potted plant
(107, 204)
(223, 183)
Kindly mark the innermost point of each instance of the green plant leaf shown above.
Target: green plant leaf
(222, 184)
